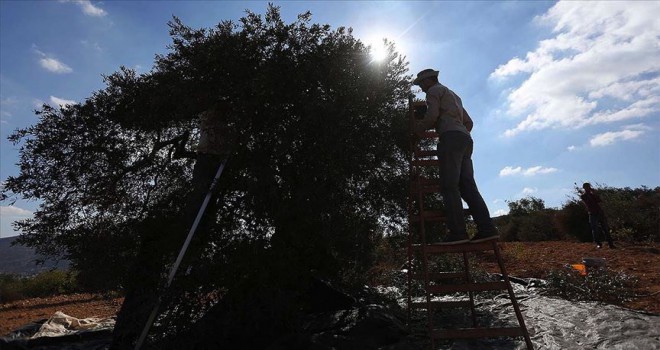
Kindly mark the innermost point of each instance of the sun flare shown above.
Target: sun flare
(378, 51)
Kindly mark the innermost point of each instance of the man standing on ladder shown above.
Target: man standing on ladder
(145, 285)
(446, 114)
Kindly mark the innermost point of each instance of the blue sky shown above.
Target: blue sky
(560, 92)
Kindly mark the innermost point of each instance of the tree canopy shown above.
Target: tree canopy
(316, 159)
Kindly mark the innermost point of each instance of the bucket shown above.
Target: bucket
(594, 262)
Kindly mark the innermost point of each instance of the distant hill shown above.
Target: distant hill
(21, 260)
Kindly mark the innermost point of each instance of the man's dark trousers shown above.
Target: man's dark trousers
(457, 181)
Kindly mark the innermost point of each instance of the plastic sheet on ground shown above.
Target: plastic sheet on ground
(62, 332)
(61, 324)
(553, 323)
(557, 324)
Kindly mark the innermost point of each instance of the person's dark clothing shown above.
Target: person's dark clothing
(597, 219)
(161, 241)
(457, 181)
(591, 200)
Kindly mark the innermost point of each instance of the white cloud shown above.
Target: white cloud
(535, 170)
(628, 133)
(600, 66)
(88, 8)
(61, 102)
(571, 148)
(55, 66)
(13, 212)
(51, 64)
(529, 190)
(500, 212)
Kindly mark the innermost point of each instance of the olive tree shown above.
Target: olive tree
(314, 135)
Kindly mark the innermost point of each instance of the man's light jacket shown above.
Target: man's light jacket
(444, 111)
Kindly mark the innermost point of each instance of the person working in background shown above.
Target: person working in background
(597, 218)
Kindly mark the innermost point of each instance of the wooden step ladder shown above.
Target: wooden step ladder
(423, 224)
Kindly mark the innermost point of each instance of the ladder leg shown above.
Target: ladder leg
(514, 302)
(425, 263)
(409, 276)
(468, 279)
(429, 310)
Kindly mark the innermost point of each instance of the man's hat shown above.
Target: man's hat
(426, 73)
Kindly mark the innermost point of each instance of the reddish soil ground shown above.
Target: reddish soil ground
(18, 313)
(536, 259)
(522, 259)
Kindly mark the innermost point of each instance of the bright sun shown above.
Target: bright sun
(378, 51)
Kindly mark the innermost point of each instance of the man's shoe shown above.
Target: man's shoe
(482, 237)
(458, 238)
(598, 246)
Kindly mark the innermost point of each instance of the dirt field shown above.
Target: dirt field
(536, 259)
(523, 259)
(16, 314)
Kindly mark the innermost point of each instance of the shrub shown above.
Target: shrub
(632, 214)
(50, 283)
(599, 285)
(537, 226)
(44, 284)
(528, 220)
(573, 221)
(9, 288)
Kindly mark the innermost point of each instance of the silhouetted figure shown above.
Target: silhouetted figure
(446, 114)
(597, 219)
(162, 238)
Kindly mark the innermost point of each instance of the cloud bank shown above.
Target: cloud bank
(601, 66)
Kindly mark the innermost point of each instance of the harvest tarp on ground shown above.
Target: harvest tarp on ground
(553, 324)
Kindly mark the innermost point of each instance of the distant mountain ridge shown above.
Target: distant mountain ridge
(21, 260)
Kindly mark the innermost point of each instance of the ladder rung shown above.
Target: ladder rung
(467, 287)
(428, 216)
(425, 153)
(438, 276)
(425, 188)
(425, 162)
(465, 333)
(424, 181)
(442, 304)
(428, 135)
(457, 248)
